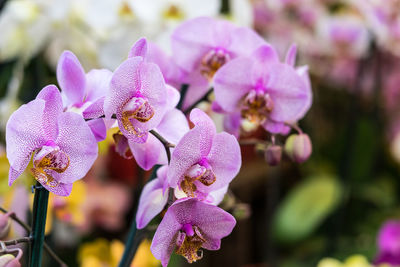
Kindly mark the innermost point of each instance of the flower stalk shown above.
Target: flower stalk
(38, 224)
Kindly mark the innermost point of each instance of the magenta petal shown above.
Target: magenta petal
(232, 123)
(98, 129)
(245, 41)
(163, 243)
(24, 134)
(212, 244)
(124, 84)
(199, 86)
(71, 77)
(139, 49)
(53, 107)
(231, 83)
(171, 72)
(188, 48)
(291, 55)
(180, 126)
(303, 73)
(60, 190)
(149, 153)
(97, 84)
(152, 201)
(73, 129)
(276, 127)
(173, 97)
(288, 91)
(215, 197)
(225, 159)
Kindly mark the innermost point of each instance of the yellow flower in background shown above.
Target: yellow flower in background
(352, 261)
(103, 253)
(69, 209)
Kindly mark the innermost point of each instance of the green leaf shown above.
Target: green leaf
(305, 208)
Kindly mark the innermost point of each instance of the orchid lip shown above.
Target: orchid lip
(47, 160)
(198, 173)
(212, 61)
(188, 245)
(256, 106)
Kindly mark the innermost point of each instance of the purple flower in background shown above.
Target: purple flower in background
(202, 45)
(82, 92)
(138, 97)
(264, 91)
(41, 128)
(389, 243)
(173, 75)
(203, 161)
(188, 226)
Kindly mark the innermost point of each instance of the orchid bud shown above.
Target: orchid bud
(8, 260)
(298, 147)
(273, 155)
(5, 223)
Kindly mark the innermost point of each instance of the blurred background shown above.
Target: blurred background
(333, 205)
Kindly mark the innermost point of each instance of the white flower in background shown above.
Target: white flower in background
(167, 12)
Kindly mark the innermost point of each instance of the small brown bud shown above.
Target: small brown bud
(273, 155)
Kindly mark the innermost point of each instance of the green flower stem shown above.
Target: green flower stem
(38, 224)
(135, 236)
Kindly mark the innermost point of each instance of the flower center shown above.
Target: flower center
(139, 109)
(212, 61)
(195, 175)
(256, 106)
(47, 160)
(189, 242)
(173, 12)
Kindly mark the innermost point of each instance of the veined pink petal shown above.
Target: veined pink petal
(73, 130)
(163, 243)
(53, 108)
(94, 110)
(24, 134)
(125, 83)
(153, 88)
(225, 159)
(60, 189)
(71, 77)
(193, 146)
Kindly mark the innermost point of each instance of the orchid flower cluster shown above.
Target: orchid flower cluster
(59, 131)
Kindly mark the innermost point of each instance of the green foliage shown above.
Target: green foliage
(305, 208)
